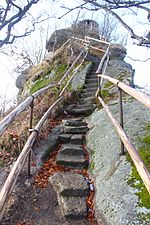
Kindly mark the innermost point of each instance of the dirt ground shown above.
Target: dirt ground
(31, 205)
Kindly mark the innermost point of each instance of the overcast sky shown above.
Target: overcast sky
(142, 77)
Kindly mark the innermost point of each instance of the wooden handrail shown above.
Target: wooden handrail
(76, 70)
(97, 40)
(141, 168)
(5, 123)
(102, 60)
(85, 40)
(70, 68)
(17, 167)
(80, 39)
(89, 46)
(61, 48)
(131, 91)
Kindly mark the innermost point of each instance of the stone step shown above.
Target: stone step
(87, 94)
(75, 162)
(95, 66)
(90, 88)
(80, 110)
(73, 207)
(83, 106)
(77, 139)
(93, 70)
(91, 91)
(92, 85)
(93, 80)
(92, 73)
(69, 184)
(72, 122)
(71, 149)
(88, 100)
(91, 76)
(76, 130)
(64, 138)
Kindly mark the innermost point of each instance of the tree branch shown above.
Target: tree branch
(109, 5)
(8, 22)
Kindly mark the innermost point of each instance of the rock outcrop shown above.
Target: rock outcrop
(80, 30)
(115, 200)
(21, 79)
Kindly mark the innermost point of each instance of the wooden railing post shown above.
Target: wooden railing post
(30, 131)
(121, 117)
(99, 90)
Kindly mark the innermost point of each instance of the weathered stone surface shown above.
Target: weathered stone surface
(43, 149)
(120, 70)
(88, 94)
(114, 198)
(74, 31)
(74, 123)
(64, 138)
(81, 109)
(73, 207)
(76, 130)
(21, 79)
(90, 89)
(79, 162)
(79, 80)
(69, 184)
(88, 100)
(91, 80)
(77, 139)
(88, 86)
(71, 149)
(117, 51)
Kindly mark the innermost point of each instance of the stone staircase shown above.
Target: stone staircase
(72, 187)
(86, 105)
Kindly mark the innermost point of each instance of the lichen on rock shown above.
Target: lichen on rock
(115, 199)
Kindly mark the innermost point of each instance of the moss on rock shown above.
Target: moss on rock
(134, 180)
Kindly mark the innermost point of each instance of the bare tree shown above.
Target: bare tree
(28, 51)
(11, 13)
(112, 7)
(109, 29)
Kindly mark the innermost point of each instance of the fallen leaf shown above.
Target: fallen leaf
(37, 209)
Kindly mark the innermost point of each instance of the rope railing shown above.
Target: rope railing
(125, 140)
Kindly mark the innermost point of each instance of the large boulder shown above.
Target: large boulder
(58, 38)
(115, 199)
(120, 70)
(22, 78)
(117, 51)
(80, 30)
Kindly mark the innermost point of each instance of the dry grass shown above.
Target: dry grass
(14, 138)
